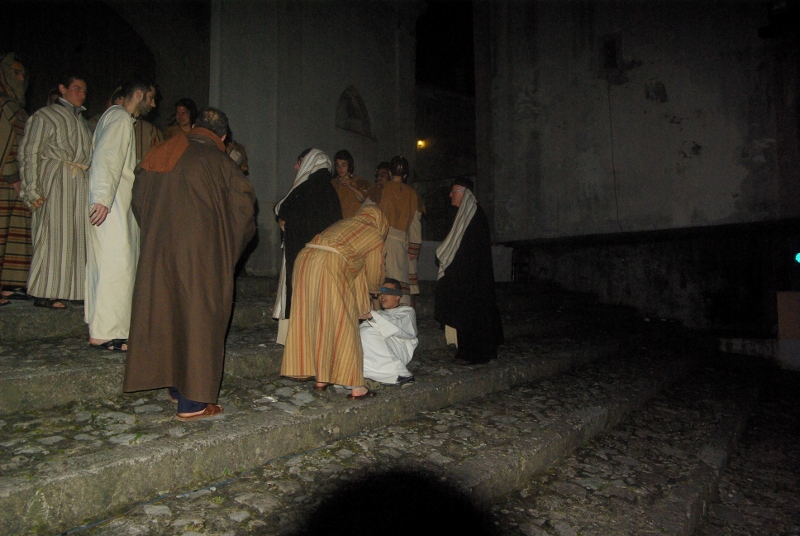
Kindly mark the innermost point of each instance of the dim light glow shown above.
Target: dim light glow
(797, 257)
(420, 144)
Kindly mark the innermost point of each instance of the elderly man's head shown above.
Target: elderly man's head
(214, 120)
(391, 293)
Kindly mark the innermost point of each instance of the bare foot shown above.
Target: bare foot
(359, 391)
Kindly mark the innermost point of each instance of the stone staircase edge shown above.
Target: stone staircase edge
(51, 501)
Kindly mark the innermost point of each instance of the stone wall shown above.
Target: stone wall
(724, 279)
(644, 151)
(612, 117)
(280, 70)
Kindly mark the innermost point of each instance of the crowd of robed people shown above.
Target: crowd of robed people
(147, 228)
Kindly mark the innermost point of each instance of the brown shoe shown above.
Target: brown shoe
(211, 410)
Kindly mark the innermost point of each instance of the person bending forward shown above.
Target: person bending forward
(332, 281)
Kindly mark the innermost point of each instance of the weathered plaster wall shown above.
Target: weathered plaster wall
(278, 69)
(656, 171)
(177, 33)
(680, 134)
(722, 278)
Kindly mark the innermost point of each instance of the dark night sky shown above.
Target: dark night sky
(445, 50)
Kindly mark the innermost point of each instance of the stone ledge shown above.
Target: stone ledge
(64, 492)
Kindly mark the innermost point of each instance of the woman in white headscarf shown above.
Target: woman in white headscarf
(465, 299)
(310, 206)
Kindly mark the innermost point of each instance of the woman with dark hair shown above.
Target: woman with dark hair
(465, 298)
(307, 209)
(352, 190)
(185, 117)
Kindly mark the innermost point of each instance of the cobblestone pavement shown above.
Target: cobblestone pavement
(31, 439)
(759, 494)
(276, 497)
(622, 482)
(610, 486)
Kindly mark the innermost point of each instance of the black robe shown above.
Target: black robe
(310, 209)
(465, 295)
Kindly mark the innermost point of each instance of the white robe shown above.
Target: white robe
(389, 341)
(113, 246)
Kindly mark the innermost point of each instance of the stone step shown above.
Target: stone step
(653, 474)
(46, 373)
(759, 491)
(436, 473)
(22, 322)
(90, 458)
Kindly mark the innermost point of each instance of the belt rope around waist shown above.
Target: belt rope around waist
(325, 248)
(73, 166)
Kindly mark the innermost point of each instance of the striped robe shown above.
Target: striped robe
(15, 219)
(330, 290)
(56, 145)
(15, 238)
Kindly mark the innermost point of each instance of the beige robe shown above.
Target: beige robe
(113, 246)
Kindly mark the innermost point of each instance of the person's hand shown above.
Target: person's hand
(97, 214)
(15, 185)
(38, 203)
(365, 316)
(282, 224)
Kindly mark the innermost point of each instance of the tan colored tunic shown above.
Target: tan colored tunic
(347, 197)
(401, 205)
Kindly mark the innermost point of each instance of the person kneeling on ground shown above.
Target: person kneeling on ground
(389, 337)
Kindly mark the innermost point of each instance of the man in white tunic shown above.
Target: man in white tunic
(113, 237)
(54, 158)
(389, 337)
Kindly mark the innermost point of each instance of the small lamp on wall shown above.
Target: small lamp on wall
(420, 144)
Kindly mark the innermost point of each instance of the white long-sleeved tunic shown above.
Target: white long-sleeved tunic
(113, 246)
(389, 340)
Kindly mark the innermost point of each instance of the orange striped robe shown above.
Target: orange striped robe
(329, 290)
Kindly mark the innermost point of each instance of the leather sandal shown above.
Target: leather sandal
(369, 394)
(211, 410)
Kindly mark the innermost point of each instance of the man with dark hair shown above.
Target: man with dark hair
(389, 337)
(352, 190)
(184, 282)
(382, 173)
(403, 209)
(113, 237)
(465, 298)
(15, 218)
(55, 155)
(185, 118)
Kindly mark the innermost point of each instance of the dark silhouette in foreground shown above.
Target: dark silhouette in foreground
(398, 503)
